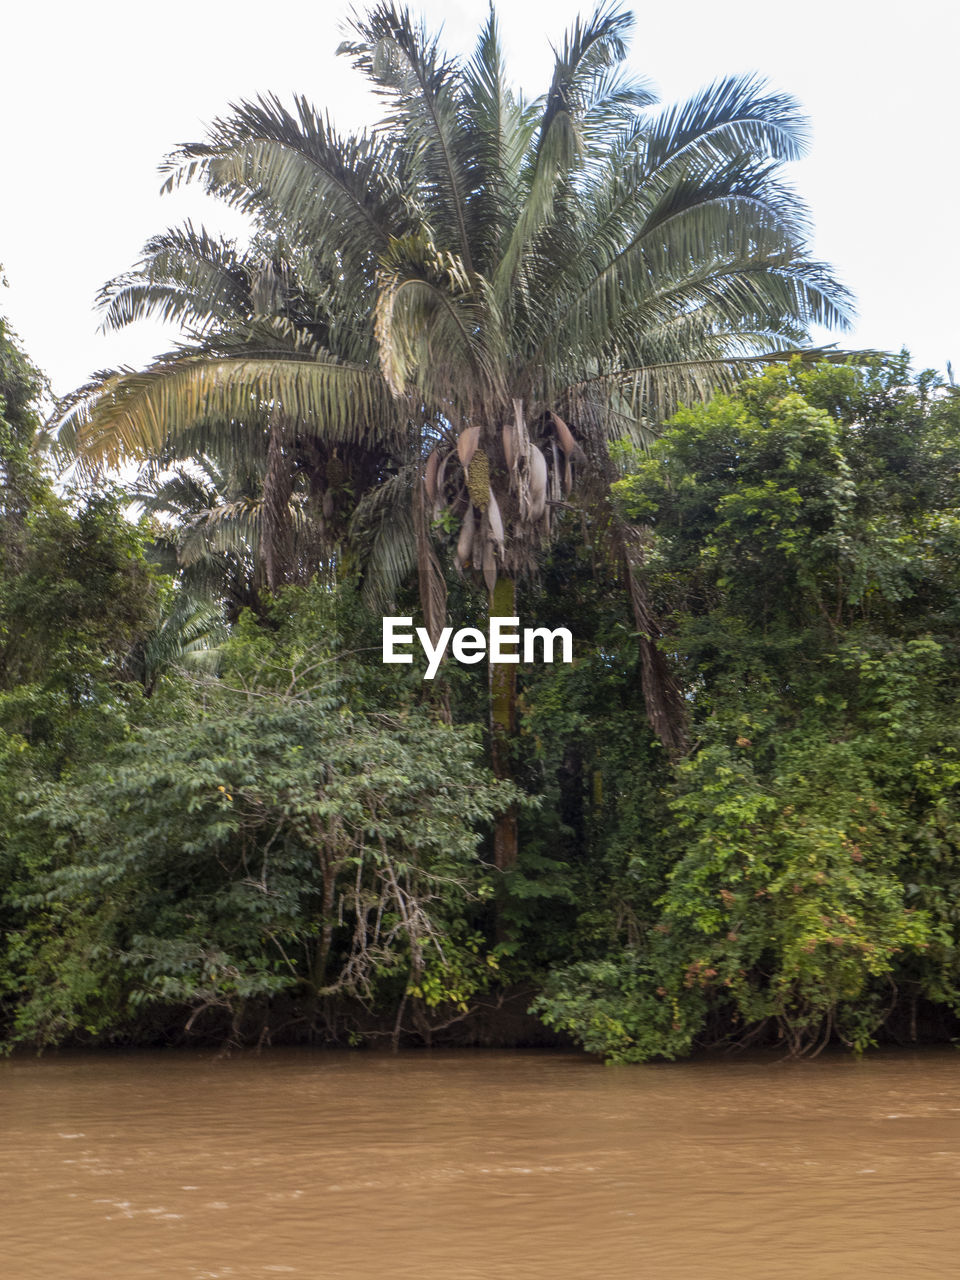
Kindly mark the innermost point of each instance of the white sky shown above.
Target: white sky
(94, 95)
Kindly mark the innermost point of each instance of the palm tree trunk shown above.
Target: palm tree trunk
(276, 535)
(503, 726)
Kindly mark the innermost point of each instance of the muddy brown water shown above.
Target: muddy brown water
(477, 1166)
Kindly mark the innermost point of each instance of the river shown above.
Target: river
(478, 1166)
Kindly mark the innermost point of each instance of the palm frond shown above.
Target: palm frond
(184, 276)
(383, 534)
(424, 90)
(189, 635)
(646, 396)
(732, 117)
(502, 129)
(129, 413)
(589, 51)
(432, 319)
(327, 189)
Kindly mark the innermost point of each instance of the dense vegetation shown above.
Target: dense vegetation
(796, 874)
(485, 290)
(446, 378)
(297, 842)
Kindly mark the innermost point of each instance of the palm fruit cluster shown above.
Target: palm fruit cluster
(478, 480)
(336, 473)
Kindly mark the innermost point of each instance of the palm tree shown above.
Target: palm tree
(256, 324)
(187, 634)
(206, 529)
(507, 286)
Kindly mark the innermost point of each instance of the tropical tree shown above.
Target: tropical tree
(802, 882)
(205, 529)
(265, 848)
(243, 468)
(507, 285)
(21, 448)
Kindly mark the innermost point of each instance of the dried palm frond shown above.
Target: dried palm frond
(495, 521)
(467, 442)
(430, 474)
(465, 540)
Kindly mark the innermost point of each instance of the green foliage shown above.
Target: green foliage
(614, 1008)
(261, 834)
(577, 266)
(291, 842)
(84, 593)
(786, 902)
(77, 595)
(475, 257)
(21, 477)
(803, 552)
